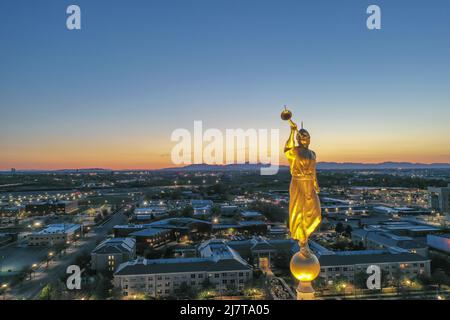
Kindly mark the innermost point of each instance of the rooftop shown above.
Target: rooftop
(60, 228)
(149, 232)
(250, 214)
(115, 245)
(179, 265)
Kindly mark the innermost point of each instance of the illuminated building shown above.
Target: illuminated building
(109, 254)
(440, 199)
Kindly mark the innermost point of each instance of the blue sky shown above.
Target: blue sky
(139, 69)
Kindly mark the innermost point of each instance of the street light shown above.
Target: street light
(4, 287)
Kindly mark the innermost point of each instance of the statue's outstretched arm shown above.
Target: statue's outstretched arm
(290, 143)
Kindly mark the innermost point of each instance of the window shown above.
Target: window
(193, 276)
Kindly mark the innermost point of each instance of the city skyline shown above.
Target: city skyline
(111, 94)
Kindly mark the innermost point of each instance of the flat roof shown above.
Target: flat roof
(149, 232)
(249, 214)
(59, 228)
(179, 265)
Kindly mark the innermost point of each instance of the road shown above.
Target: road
(57, 268)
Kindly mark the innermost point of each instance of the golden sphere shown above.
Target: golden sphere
(305, 268)
(286, 114)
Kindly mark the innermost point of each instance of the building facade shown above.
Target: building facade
(409, 265)
(162, 277)
(440, 199)
(56, 234)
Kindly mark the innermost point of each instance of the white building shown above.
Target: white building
(55, 234)
(348, 264)
(219, 265)
(440, 199)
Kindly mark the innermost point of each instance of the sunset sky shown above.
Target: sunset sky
(111, 94)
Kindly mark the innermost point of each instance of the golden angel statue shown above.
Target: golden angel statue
(304, 204)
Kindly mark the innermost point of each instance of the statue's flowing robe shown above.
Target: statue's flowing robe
(304, 204)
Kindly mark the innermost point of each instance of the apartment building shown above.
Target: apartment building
(348, 264)
(219, 265)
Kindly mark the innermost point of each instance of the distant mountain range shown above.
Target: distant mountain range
(320, 166)
(381, 165)
(251, 167)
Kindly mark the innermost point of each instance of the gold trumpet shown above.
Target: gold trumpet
(286, 115)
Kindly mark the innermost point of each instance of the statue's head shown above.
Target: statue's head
(303, 138)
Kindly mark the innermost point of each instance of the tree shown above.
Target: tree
(339, 227)
(424, 279)
(103, 289)
(232, 288)
(272, 212)
(105, 213)
(185, 291)
(281, 260)
(439, 277)
(319, 283)
(61, 248)
(340, 284)
(207, 284)
(385, 277)
(52, 291)
(187, 211)
(361, 280)
(46, 293)
(83, 259)
(216, 210)
(397, 279)
(348, 230)
(97, 218)
(27, 271)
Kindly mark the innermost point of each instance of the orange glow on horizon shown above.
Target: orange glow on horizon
(123, 152)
